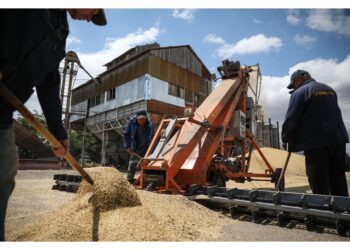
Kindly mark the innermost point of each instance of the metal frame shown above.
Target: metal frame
(185, 156)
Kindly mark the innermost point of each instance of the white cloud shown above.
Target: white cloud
(257, 21)
(329, 21)
(185, 14)
(304, 39)
(252, 45)
(293, 17)
(275, 96)
(114, 47)
(214, 39)
(94, 62)
(71, 39)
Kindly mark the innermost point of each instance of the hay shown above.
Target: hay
(136, 216)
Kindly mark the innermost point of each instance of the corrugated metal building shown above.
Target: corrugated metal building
(161, 80)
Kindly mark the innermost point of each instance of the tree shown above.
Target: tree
(23, 152)
(92, 145)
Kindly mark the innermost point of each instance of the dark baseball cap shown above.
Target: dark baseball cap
(100, 18)
(141, 114)
(296, 74)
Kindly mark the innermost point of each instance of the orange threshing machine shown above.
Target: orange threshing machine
(200, 149)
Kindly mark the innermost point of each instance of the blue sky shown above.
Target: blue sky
(280, 40)
(232, 25)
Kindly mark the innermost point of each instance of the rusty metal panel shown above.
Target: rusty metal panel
(176, 65)
(154, 106)
(174, 74)
(180, 56)
(189, 96)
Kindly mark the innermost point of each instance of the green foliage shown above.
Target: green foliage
(92, 145)
(22, 152)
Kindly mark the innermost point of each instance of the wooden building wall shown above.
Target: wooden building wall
(112, 78)
(178, 66)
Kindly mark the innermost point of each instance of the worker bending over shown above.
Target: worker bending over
(138, 135)
(314, 124)
(32, 46)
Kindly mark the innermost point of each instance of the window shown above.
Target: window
(196, 99)
(97, 100)
(111, 94)
(94, 101)
(177, 91)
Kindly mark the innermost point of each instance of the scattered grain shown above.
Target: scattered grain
(123, 214)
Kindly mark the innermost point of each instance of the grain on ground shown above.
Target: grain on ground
(156, 217)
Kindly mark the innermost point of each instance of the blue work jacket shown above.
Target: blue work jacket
(313, 119)
(130, 136)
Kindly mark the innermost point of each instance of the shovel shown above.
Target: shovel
(283, 172)
(13, 100)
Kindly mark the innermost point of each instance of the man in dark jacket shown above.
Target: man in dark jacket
(138, 135)
(314, 124)
(32, 45)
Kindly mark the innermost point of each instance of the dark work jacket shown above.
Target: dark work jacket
(32, 45)
(130, 136)
(313, 119)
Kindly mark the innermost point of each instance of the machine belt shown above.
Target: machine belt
(311, 209)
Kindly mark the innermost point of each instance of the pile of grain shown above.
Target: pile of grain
(277, 158)
(132, 216)
(295, 176)
(110, 190)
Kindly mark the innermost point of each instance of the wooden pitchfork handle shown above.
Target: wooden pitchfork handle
(16, 103)
(283, 171)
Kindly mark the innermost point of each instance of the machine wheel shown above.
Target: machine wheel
(256, 217)
(278, 172)
(218, 179)
(341, 228)
(281, 220)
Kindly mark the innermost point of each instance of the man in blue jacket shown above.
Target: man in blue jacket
(32, 45)
(314, 124)
(138, 135)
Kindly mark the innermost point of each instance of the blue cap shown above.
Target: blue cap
(141, 114)
(296, 74)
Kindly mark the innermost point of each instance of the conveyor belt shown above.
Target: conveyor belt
(309, 209)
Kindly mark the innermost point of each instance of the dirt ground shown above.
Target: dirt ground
(33, 199)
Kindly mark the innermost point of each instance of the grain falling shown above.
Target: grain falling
(111, 189)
